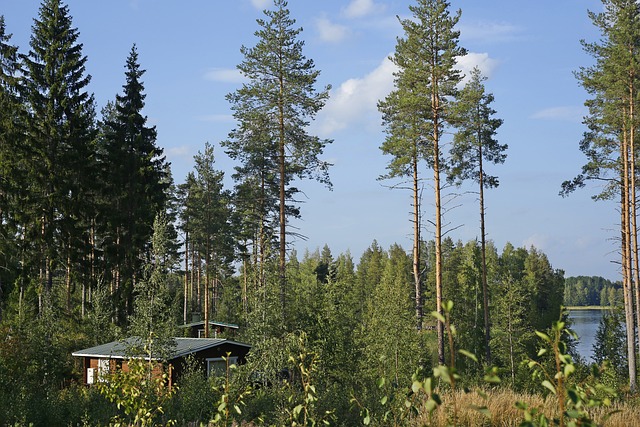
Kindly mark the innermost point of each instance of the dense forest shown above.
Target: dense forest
(98, 243)
(592, 291)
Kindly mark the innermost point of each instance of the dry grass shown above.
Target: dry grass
(501, 404)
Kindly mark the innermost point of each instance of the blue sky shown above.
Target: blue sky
(529, 50)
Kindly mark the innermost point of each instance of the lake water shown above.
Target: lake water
(585, 323)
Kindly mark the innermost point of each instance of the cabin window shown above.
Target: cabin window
(103, 369)
(218, 366)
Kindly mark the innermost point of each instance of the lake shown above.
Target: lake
(585, 323)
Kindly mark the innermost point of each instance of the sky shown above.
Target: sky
(529, 50)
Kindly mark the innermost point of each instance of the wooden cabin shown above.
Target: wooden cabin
(208, 353)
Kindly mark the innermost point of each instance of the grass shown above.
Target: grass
(501, 404)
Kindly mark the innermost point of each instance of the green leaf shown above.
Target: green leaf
(469, 355)
(438, 316)
(383, 401)
(548, 385)
(543, 336)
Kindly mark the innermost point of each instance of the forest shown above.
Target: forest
(99, 243)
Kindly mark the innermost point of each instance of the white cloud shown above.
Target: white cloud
(218, 118)
(539, 241)
(331, 32)
(225, 75)
(567, 114)
(359, 8)
(180, 151)
(260, 4)
(481, 60)
(487, 32)
(356, 99)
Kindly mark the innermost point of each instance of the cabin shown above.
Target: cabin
(216, 329)
(207, 352)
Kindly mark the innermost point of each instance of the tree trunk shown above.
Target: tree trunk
(185, 301)
(435, 108)
(626, 262)
(483, 249)
(438, 241)
(634, 203)
(206, 292)
(417, 279)
(283, 219)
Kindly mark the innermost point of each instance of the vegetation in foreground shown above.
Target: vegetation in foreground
(89, 250)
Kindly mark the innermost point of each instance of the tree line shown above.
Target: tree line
(98, 242)
(592, 291)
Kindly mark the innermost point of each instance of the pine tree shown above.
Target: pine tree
(417, 113)
(280, 94)
(210, 227)
(60, 129)
(611, 138)
(474, 144)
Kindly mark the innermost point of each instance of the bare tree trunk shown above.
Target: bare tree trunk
(283, 219)
(483, 248)
(417, 279)
(626, 262)
(634, 203)
(435, 106)
(185, 302)
(206, 292)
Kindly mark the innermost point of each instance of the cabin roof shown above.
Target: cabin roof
(211, 322)
(183, 347)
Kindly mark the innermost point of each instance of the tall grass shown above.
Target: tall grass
(503, 412)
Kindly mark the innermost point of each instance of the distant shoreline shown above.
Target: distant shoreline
(589, 307)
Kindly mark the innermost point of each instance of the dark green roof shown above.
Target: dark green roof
(183, 347)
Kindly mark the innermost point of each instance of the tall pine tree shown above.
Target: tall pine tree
(474, 144)
(417, 113)
(610, 143)
(281, 92)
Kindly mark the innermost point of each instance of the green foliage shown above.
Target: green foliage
(574, 401)
(138, 392)
(582, 291)
(610, 343)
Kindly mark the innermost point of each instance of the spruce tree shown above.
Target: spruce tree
(11, 143)
(281, 94)
(60, 131)
(417, 113)
(134, 170)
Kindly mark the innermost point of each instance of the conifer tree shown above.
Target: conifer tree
(281, 94)
(136, 183)
(11, 111)
(611, 139)
(152, 320)
(474, 144)
(60, 129)
(211, 227)
(417, 113)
